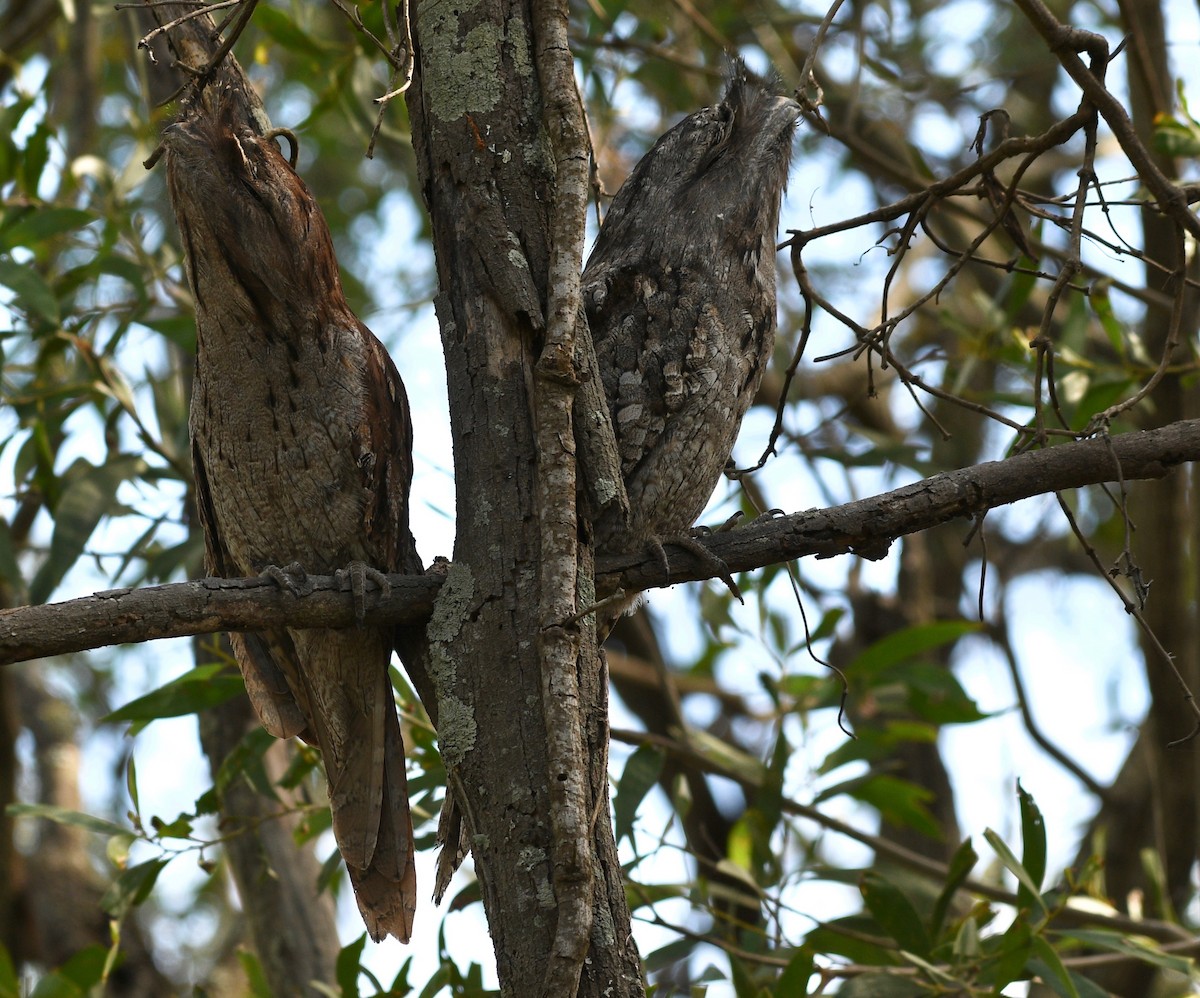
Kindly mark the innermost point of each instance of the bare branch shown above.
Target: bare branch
(866, 527)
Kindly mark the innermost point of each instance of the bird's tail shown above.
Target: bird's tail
(351, 711)
(386, 889)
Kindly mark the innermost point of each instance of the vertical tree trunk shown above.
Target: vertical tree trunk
(488, 171)
(1153, 802)
(291, 924)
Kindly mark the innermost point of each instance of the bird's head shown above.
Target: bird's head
(239, 200)
(723, 168)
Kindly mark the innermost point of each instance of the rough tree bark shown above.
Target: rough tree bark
(488, 173)
(866, 527)
(1152, 803)
(276, 879)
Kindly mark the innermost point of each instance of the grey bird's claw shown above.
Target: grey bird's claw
(689, 543)
(701, 530)
(357, 573)
(770, 514)
(291, 577)
(655, 547)
(730, 523)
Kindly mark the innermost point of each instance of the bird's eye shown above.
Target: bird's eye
(719, 135)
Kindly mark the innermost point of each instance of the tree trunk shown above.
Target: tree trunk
(291, 923)
(487, 171)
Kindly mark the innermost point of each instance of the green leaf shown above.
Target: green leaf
(314, 822)
(54, 985)
(89, 494)
(895, 913)
(245, 761)
(1156, 874)
(65, 816)
(41, 223)
(739, 764)
(904, 645)
(440, 979)
(132, 887)
(742, 979)
(670, 954)
(641, 895)
(966, 942)
(854, 944)
(255, 976)
(33, 293)
(1139, 947)
(1051, 969)
(1175, 138)
(900, 802)
(203, 687)
(1101, 305)
(180, 828)
(117, 849)
(961, 864)
(1007, 956)
(1098, 396)
(795, 976)
(37, 153)
(329, 870)
(935, 695)
(1027, 889)
(284, 30)
(131, 784)
(349, 960)
(1019, 289)
(400, 985)
(1033, 848)
(946, 982)
(828, 624)
(9, 984)
(85, 969)
(878, 743)
(301, 765)
(640, 774)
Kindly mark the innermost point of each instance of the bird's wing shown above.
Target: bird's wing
(264, 658)
(641, 319)
(384, 455)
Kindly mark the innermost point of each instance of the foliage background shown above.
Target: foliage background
(729, 886)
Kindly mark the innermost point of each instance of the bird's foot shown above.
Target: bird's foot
(357, 573)
(700, 530)
(291, 577)
(689, 543)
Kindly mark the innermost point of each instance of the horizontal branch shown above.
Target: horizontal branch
(865, 528)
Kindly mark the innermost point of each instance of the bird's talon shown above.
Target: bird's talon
(660, 553)
(717, 565)
(356, 574)
(770, 514)
(730, 523)
(291, 577)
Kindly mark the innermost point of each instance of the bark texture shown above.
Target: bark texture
(488, 173)
(865, 526)
(276, 880)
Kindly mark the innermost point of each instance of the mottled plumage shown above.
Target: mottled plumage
(302, 445)
(680, 298)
